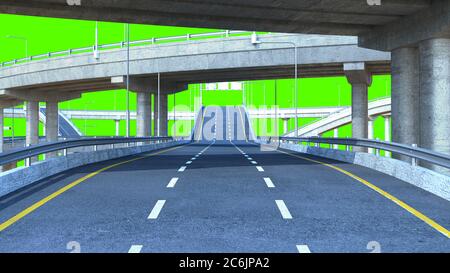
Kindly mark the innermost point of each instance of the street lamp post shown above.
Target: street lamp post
(96, 52)
(256, 41)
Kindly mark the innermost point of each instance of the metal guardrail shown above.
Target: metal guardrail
(152, 41)
(33, 151)
(413, 152)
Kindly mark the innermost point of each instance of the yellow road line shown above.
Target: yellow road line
(385, 194)
(52, 196)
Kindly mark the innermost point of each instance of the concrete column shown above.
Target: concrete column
(435, 97)
(360, 79)
(370, 132)
(32, 122)
(51, 125)
(1, 130)
(144, 114)
(387, 131)
(1, 134)
(336, 135)
(117, 122)
(51, 122)
(162, 114)
(285, 125)
(405, 97)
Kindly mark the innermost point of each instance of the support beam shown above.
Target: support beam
(435, 97)
(430, 23)
(360, 79)
(144, 114)
(405, 97)
(161, 115)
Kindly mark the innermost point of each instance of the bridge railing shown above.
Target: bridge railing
(414, 152)
(123, 44)
(33, 151)
(342, 109)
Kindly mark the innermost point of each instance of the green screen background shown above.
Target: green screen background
(48, 34)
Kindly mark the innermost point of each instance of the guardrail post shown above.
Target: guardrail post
(95, 148)
(27, 162)
(64, 152)
(414, 160)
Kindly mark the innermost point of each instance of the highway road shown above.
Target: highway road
(223, 194)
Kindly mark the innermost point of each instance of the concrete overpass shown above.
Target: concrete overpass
(178, 64)
(417, 32)
(380, 25)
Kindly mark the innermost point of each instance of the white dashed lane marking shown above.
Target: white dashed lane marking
(259, 168)
(189, 162)
(135, 249)
(172, 182)
(254, 162)
(182, 169)
(283, 209)
(303, 249)
(269, 182)
(156, 209)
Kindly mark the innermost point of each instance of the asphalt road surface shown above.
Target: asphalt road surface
(223, 195)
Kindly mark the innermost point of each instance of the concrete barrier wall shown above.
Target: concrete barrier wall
(426, 179)
(18, 178)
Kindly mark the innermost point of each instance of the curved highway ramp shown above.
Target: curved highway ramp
(223, 194)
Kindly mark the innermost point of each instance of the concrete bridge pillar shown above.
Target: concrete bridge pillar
(32, 125)
(32, 122)
(360, 79)
(1, 130)
(336, 135)
(161, 114)
(387, 131)
(370, 131)
(144, 114)
(51, 125)
(285, 125)
(435, 97)
(51, 121)
(117, 123)
(405, 97)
